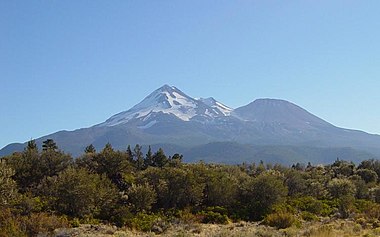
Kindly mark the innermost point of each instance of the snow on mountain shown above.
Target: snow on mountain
(172, 101)
(170, 118)
(217, 106)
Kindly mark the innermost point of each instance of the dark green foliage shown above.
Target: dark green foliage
(112, 163)
(341, 187)
(138, 157)
(295, 182)
(176, 160)
(222, 195)
(307, 216)
(78, 193)
(362, 188)
(159, 159)
(31, 166)
(31, 145)
(141, 197)
(367, 175)
(148, 161)
(371, 165)
(346, 206)
(343, 168)
(90, 149)
(213, 217)
(49, 145)
(311, 205)
(262, 193)
(175, 188)
(126, 188)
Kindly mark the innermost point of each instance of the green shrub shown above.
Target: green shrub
(218, 209)
(148, 222)
(312, 205)
(307, 216)
(280, 220)
(284, 207)
(75, 222)
(213, 217)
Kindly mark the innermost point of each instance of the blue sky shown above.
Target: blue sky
(72, 64)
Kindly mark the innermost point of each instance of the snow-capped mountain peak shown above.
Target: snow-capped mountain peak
(172, 101)
(166, 99)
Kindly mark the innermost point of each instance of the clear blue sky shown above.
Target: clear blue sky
(72, 64)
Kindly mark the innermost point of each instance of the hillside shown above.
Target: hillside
(276, 130)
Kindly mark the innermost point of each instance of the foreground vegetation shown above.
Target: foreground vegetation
(46, 191)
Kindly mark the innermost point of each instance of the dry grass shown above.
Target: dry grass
(330, 228)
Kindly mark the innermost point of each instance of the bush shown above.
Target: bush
(307, 216)
(43, 223)
(9, 224)
(148, 222)
(141, 197)
(213, 217)
(280, 220)
(311, 205)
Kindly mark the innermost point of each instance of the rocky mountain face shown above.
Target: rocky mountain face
(173, 120)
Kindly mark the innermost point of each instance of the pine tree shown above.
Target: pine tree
(148, 161)
(139, 157)
(31, 146)
(90, 149)
(176, 160)
(130, 154)
(159, 158)
(49, 145)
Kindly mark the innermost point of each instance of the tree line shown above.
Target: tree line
(136, 190)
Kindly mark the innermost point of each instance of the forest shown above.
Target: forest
(45, 189)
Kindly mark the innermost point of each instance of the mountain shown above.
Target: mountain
(169, 101)
(204, 128)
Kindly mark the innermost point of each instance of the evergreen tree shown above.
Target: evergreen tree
(159, 158)
(90, 149)
(148, 161)
(139, 156)
(112, 163)
(49, 145)
(31, 145)
(176, 160)
(130, 154)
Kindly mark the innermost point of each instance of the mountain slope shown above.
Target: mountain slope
(170, 117)
(170, 101)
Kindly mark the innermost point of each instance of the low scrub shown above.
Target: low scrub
(280, 220)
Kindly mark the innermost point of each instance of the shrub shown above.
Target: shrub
(141, 197)
(307, 216)
(148, 222)
(341, 187)
(43, 223)
(213, 217)
(263, 193)
(367, 175)
(311, 205)
(280, 220)
(9, 224)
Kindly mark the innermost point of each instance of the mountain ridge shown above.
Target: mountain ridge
(169, 116)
